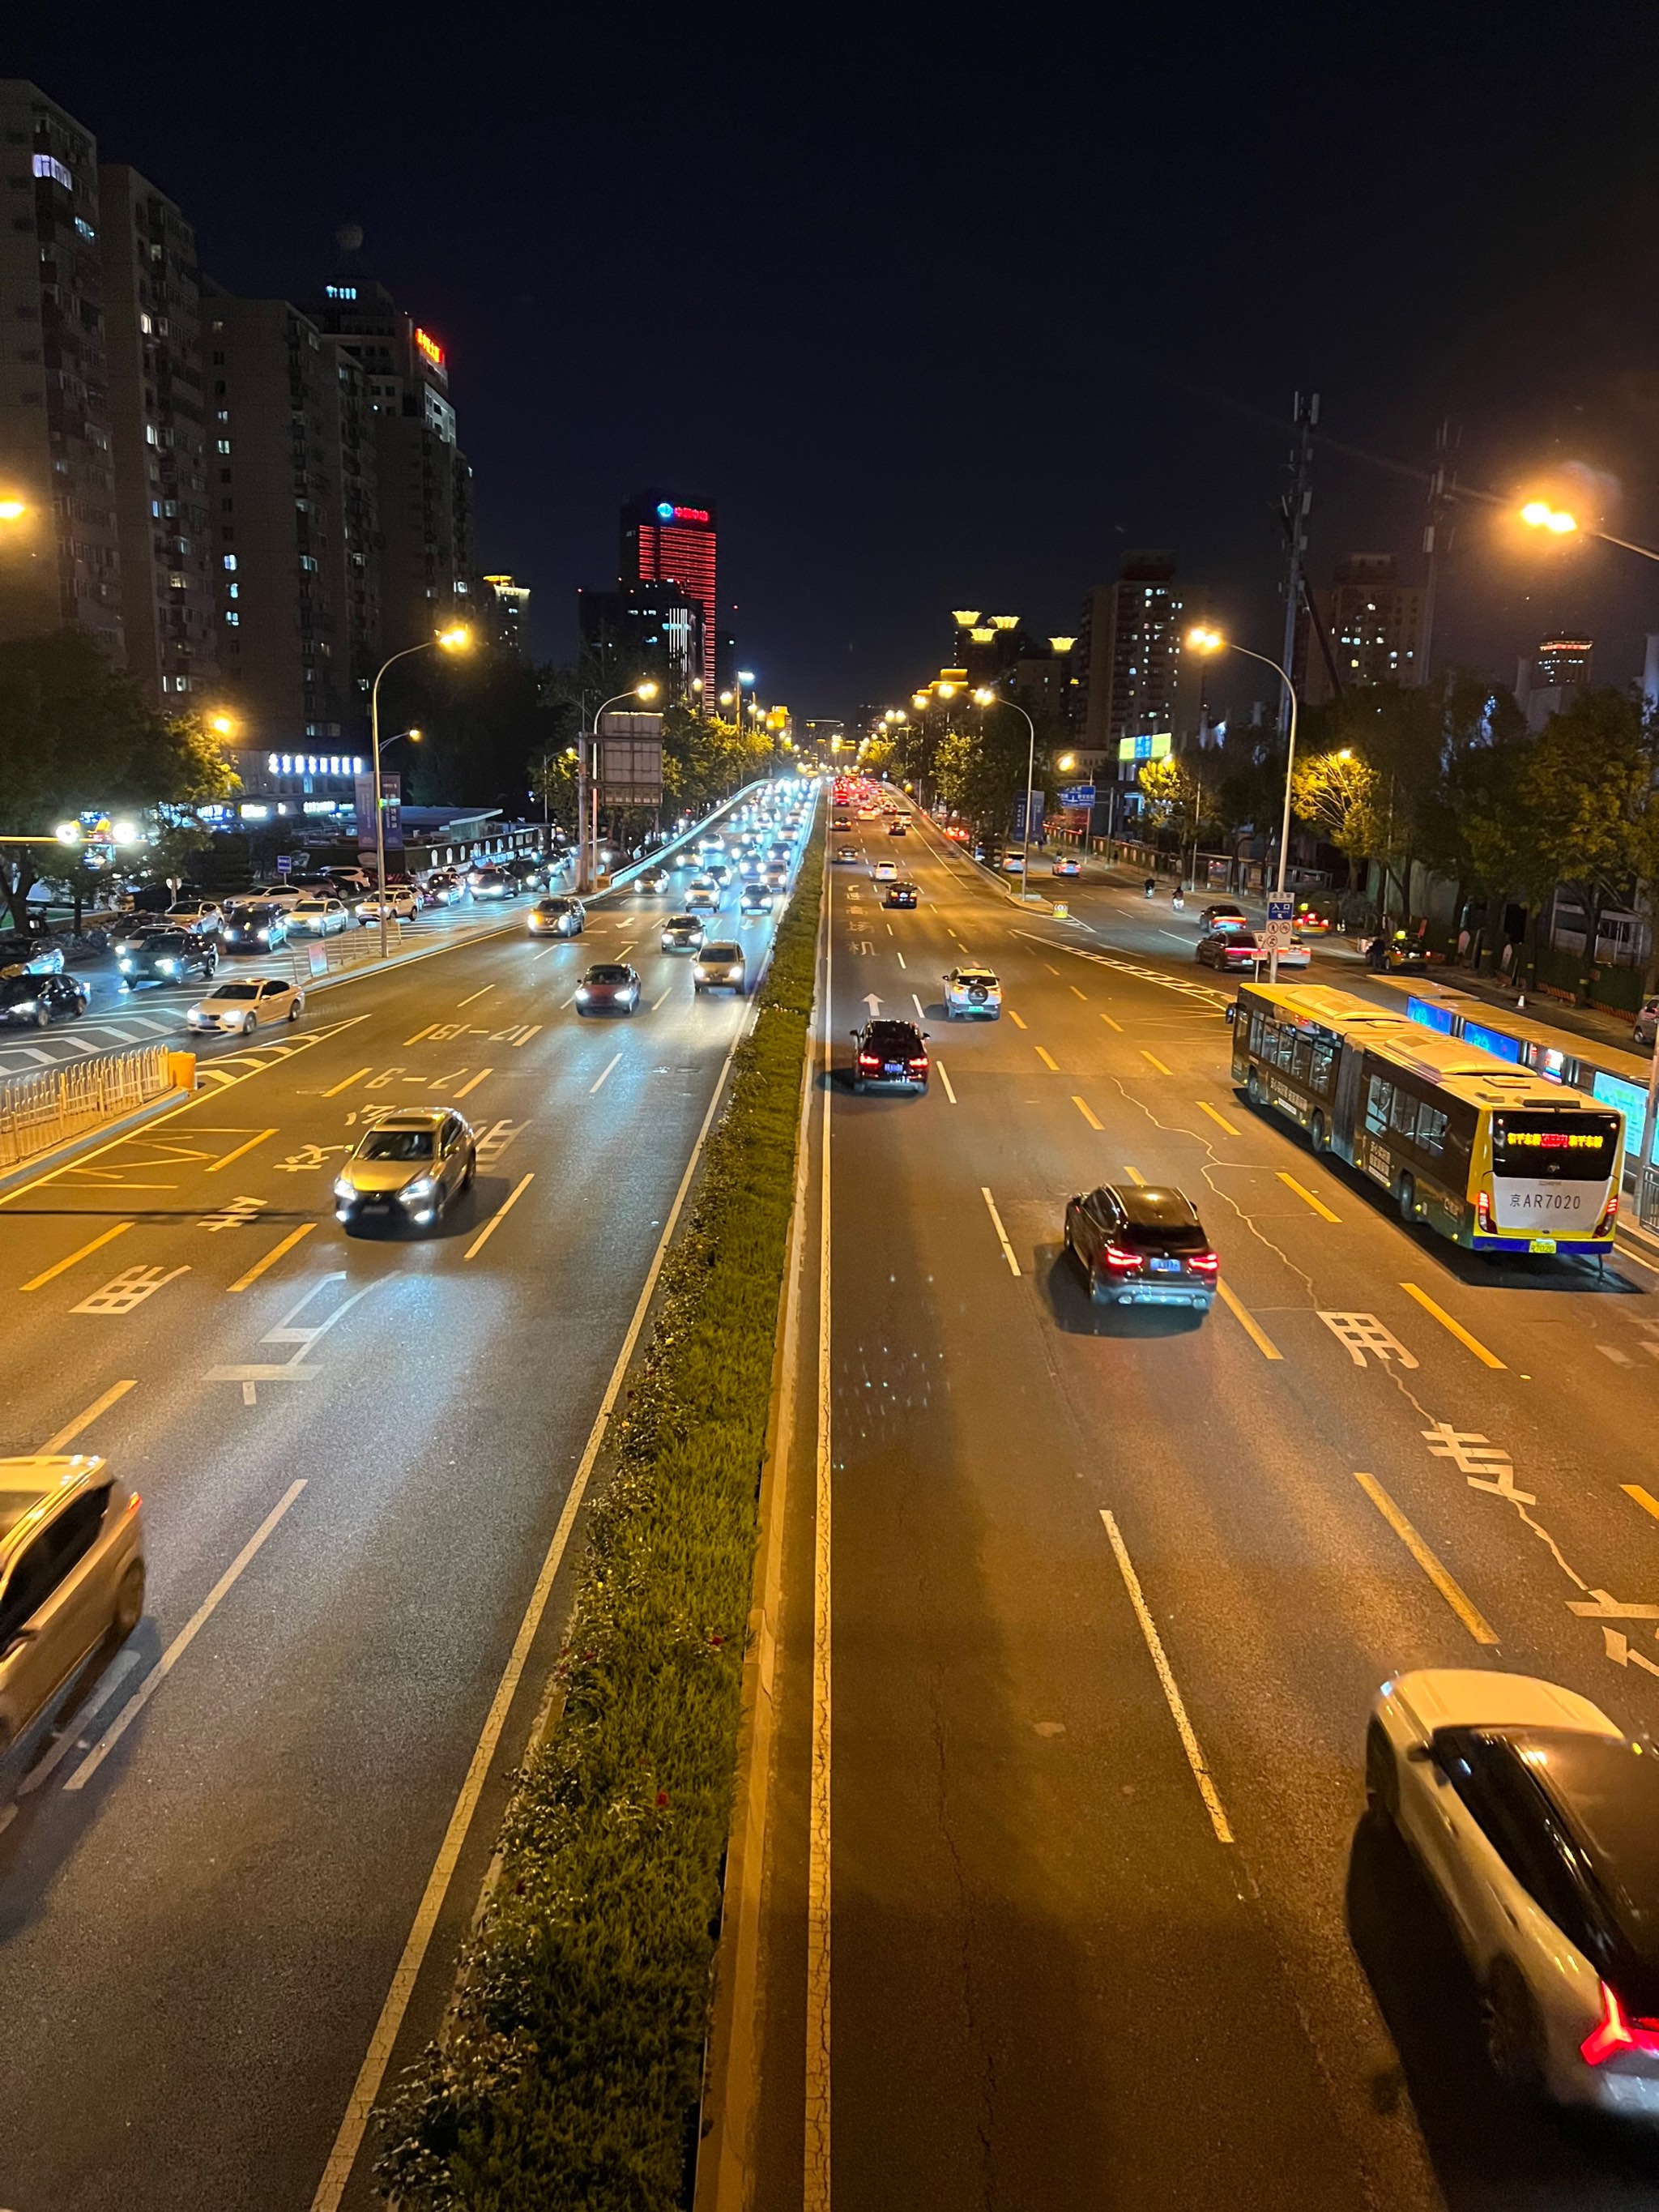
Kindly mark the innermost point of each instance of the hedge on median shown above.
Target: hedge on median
(570, 2074)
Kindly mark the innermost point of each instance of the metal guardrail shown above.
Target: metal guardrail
(40, 1110)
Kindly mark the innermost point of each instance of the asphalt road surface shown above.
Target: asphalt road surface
(1058, 1973)
(354, 1453)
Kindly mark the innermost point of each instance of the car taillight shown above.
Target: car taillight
(1615, 2032)
(1114, 1257)
(1483, 1214)
(1209, 1261)
(919, 1067)
(1604, 1226)
(869, 1060)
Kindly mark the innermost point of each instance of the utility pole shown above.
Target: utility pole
(1305, 416)
(1437, 533)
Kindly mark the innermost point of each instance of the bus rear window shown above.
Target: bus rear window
(1555, 1147)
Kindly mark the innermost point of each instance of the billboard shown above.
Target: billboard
(1153, 745)
(392, 815)
(1037, 816)
(628, 769)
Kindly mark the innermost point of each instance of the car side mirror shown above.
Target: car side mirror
(1421, 1754)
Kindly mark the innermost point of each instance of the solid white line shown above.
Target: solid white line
(945, 1080)
(815, 2189)
(497, 1218)
(180, 1644)
(593, 1087)
(1206, 1788)
(376, 2059)
(1002, 1234)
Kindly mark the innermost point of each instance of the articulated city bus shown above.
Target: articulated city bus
(1491, 1155)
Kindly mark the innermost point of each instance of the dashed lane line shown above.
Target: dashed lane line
(498, 1217)
(949, 1092)
(276, 1253)
(1454, 1327)
(473, 1083)
(356, 1077)
(1252, 1328)
(1002, 1234)
(603, 1073)
(63, 1266)
(1153, 1058)
(1173, 1698)
(1644, 1498)
(1076, 994)
(472, 996)
(1309, 1199)
(66, 1436)
(1087, 1112)
(1134, 1175)
(1469, 1613)
(1111, 1025)
(1048, 1061)
(1015, 1019)
(1220, 1120)
(226, 1161)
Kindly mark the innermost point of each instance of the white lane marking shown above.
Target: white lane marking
(66, 1436)
(593, 1087)
(1206, 1788)
(499, 1216)
(372, 2073)
(74, 1739)
(180, 1644)
(475, 1082)
(921, 1010)
(1002, 1234)
(467, 1001)
(945, 1080)
(899, 957)
(666, 995)
(816, 2191)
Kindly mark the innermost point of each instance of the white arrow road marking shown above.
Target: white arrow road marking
(251, 1374)
(872, 1002)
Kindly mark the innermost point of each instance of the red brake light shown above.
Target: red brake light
(920, 1063)
(1483, 1214)
(869, 1060)
(1209, 1261)
(1604, 1226)
(1613, 2033)
(1115, 1258)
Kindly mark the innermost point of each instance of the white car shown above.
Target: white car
(884, 872)
(242, 1006)
(1067, 864)
(315, 916)
(1536, 1819)
(974, 991)
(205, 914)
(1014, 863)
(400, 903)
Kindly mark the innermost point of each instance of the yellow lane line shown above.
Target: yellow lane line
(497, 1218)
(1258, 1336)
(1134, 1175)
(239, 1150)
(1111, 1025)
(272, 1256)
(66, 1437)
(1015, 1019)
(1155, 1061)
(1308, 1198)
(1471, 1616)
(519, 1042)
(1002, 1234)
(1644, 1498)
(475, 1081)
(419, 1034)
(1455, 1327)
(1220, 1120)
(350, 1080)
(1052, 1065)
(1084, 1109)
(1076, 994)
(62, 1267)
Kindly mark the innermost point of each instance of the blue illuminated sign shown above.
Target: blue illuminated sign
(1633, 1102)
(665, 509)
(1492, 1041)
(1431, 1016)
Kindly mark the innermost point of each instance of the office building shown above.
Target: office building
(60, 558)
(1560, 668)
(1126, 660)
(423, 479)
(642, 631)
(158, 414)
(1373, 627)
(505, 609)
(670, 541)
(294, 580)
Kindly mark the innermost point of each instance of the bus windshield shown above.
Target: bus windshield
(1555, 1147)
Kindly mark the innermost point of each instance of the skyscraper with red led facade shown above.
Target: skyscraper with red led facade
(670, 541)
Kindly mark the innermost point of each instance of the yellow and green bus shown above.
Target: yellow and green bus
(1495, 1156)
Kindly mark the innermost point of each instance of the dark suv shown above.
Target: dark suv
(893, 1053)
(167, 956)
(251, 927)
(1140, 1244)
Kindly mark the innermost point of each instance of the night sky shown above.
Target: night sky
(951, 309)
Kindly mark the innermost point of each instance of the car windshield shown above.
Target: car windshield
(609, 974)
(235, 991)
(1608, 1791)
(554, 906)
(165, 940)
(722, 953)
(398, 1145)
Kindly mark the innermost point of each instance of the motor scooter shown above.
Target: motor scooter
(1151, 888)
(1178, 900)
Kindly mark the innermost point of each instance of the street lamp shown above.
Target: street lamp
(13, 509)
(986, 697)
(646, 690)
(454, 640)
(1539, 515)
(1204, 641)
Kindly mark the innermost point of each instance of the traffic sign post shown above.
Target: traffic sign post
(1281, 915)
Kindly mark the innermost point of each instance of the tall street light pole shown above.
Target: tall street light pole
(446, 641)
(587, 777)
(1204, 640)
(988, 698)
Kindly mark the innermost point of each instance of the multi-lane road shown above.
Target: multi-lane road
(354, 1456)
(1071, 1900)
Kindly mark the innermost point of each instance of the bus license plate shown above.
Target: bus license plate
(1542, 1244)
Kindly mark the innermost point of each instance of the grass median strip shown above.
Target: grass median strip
(570, 2073)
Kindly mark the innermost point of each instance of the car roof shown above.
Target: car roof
(34, 1480)
(885, 1025)
(1474, 1698)
(725, 949)
(977, 970)
(408, 1117)
(610, 969)
(1154, 1206)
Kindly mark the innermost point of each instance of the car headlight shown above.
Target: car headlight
(418, 1192)
(126, 963)
(581, 992)
(344, 1188)
(166, 967)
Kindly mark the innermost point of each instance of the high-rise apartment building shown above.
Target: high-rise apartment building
(1560, 667)
(640, 630)
(60, 558)
(425, 484)
(1373, 625)
(506, 608)
(1128, 658)
(670, 541)
(158, 414)
(293, 522)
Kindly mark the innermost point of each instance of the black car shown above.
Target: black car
(895, 830)
(39, 999)
(893, 1053)
(1142, 1244)
(251, 927)
(167, 956)
(900, 894)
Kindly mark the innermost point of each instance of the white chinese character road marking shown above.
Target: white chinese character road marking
(1361, 1332)
(128, 1289)
(1486, 1465)
(235, 1215)
(1617, 1649)
(1600, 1607)
(308, 1156)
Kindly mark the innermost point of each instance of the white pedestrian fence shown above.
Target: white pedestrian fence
(40, 1110)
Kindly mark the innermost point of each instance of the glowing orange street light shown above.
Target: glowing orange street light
(1539, 515)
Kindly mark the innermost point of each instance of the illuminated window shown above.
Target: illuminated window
(87, 230)
(340, 291)
(233, 617)
(45, 165)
